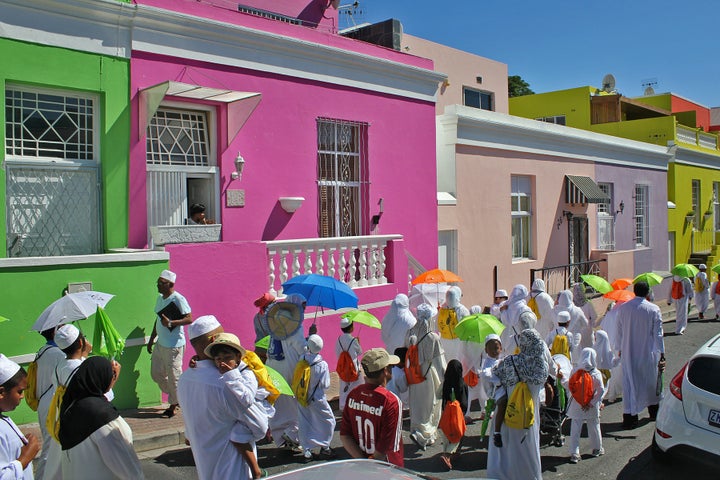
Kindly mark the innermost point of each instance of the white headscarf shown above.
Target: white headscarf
(396, 322)
(588, 359)
(475, 309)
(538, 286)
(602, 348)
(526, 320)
(453, 296)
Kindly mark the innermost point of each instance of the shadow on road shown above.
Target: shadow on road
(644, 466)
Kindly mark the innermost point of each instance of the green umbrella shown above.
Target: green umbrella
(263, 342)
(361, 316)
(474, 328)
(685, 270)
(489, 407)
(279, 381)
(649, 277)
(106, 339)
(716, 269)
(3, 319)
(598, 283)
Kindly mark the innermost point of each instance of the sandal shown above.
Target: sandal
(446, 461)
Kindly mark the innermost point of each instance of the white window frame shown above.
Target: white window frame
(490, 95)
(211, 171)
(606, 218)
(556, 119)
(696, 189)
(641, 215)
(50, 169)
(517, 192)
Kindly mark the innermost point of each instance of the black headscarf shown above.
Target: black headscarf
(454, 382)
(84, 407)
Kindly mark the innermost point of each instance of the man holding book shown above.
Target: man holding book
(172, 312)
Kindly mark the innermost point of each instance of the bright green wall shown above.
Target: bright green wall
(663, 101)
(28, 290)
(659, 130)
(573, 103)
(680, 179)
(108, 77)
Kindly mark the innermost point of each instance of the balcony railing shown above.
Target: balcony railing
(356, 261)
(562, 277)
(696, 136)
(702, 241)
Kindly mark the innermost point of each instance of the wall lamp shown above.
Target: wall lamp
(565, 213)
(376, 218)
(239, 166)
(621, 207)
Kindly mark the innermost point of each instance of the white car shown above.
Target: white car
(353, 469)
(689, 416)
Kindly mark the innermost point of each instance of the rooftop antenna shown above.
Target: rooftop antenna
(608, 83)
(648, 85)
(351, 14)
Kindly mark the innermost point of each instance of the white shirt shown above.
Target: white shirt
(11, 441)
(210, 411)
(107, 453)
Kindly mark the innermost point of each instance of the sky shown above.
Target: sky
(559, 44)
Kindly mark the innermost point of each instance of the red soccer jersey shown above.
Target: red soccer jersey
(373, 417)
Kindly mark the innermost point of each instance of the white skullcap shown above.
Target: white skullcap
(314, 343)
(8, 369)
(66, 335)
(501, 293)
(345, 322)
(702, 266)
(202, 325)
(563, 317)
(492, 336)
(168, 275)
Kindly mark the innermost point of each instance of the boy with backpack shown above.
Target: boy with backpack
(560, 340)
(315, 417)
(348, 350)
(586, 387)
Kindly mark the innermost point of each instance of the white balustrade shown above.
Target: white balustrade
(356, 261)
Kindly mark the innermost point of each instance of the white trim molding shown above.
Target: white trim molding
(137, 256)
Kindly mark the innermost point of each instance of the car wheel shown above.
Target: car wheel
(657, 453)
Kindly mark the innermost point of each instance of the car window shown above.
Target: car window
(702, 372)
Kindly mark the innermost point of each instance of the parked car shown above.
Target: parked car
(688, 420)
(353, 469)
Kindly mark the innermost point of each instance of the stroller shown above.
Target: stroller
(553, 416)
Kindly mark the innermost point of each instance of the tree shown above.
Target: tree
(517, 87)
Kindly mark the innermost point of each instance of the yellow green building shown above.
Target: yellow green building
(681, 125)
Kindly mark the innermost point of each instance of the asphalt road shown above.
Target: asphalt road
(628, 454)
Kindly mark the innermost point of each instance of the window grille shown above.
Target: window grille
(52, 176)
(641, 216)
(178, 137)
(521, 208)
(606, 219)
(342, 177)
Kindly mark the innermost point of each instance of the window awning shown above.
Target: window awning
(240, 105)
(579, 189)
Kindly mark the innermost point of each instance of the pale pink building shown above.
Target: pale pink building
(312, 152)
(516, 194)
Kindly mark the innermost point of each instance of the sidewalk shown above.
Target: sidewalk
(152, 431)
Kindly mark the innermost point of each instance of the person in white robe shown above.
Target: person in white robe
(545, 307)
(426, 396)
(580, 300)
(317, 421)
(501, 297)
(702, 291)
(284, 424)
(715, 295)
(609, 365)
(609, 326)
(395, 324)
(642, 354)
(449, 341)
(211, 409)
(578, 321)
(48, 358)
(680, 294)
(471, 358)
(96, 441)
(519, 456)
(351, 344)
(17, 449)
(511, 314)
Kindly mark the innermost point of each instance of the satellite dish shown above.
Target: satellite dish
(608, 83)
(649, 91)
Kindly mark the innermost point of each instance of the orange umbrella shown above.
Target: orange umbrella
(621, 283)
(437, 276)
(620, 295)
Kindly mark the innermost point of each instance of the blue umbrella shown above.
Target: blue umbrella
(322, 291)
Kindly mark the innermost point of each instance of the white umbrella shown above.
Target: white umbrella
(71, 307)
(432, 293)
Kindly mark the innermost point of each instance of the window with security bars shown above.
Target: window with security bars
(521, 208)
(181, 164)
(642, 226)
(606, 219)
(342, 177)
(52, 173)
(695, 199)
